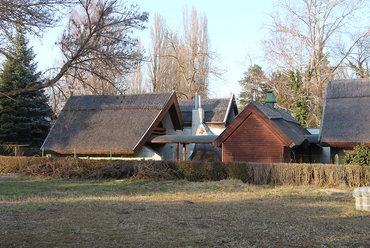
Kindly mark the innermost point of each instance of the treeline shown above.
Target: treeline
(308, 44)
(252, 173)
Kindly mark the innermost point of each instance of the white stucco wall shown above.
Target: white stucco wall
(168, 151)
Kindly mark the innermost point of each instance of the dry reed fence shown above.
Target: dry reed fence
(253, 173)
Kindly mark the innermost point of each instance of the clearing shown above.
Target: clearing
(39, 212)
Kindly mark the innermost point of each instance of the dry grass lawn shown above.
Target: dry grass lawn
(36, 212)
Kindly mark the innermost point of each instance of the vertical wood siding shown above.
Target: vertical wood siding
(252, 141)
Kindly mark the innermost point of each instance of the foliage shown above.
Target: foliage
(254, 86)
(198, 171)
(23, 119)
(289, 88)
(359, 156)
(315, 50)
(237, 171)
(300, 107)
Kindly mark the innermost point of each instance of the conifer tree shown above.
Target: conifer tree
(23, 119)
(254, 86)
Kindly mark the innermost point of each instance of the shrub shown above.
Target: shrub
(238, 171)
(201, 171)
(359, 156)
(253, 173)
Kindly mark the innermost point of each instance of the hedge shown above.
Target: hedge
(252, 173)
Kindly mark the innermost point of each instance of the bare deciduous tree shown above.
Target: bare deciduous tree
(304, 35)
(160, 66)
(97, 44)
(358, 59)
(182, 62)
(135, 81)
(34, 15)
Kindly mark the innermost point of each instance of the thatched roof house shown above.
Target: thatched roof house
(112, 124)
(346, 113)
(261, 133)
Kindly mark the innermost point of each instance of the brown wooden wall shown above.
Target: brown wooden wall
(252, 141)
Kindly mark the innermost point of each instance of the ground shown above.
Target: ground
(39, 212)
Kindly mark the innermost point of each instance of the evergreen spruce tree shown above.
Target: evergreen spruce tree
(23, 120)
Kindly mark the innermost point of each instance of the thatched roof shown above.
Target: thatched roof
(346, 114)
(99, 124)
(215, 110)
(286, 123)
(206, 153)
(286, 127)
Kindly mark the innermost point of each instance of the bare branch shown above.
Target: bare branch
(97, 42)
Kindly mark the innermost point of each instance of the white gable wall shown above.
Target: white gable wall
(168, 151)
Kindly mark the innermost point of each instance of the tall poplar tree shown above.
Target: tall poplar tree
(23, 119)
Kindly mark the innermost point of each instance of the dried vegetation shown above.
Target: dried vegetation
(252, 173)
(35, 212)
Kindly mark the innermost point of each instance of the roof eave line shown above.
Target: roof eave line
(228, 108)
(147, 130)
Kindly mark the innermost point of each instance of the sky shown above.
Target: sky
(234, 28)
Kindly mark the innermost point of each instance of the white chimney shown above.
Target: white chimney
(196, 100)
(197, 115)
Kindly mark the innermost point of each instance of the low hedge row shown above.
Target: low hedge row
(253, 173)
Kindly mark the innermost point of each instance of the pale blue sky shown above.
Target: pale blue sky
(234, 26)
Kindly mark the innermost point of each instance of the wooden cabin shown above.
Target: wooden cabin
(262, 133)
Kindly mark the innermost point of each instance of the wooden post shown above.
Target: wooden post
(75, 154)
(43, 152)
(177, 151)
(183, 152)
(15, 151)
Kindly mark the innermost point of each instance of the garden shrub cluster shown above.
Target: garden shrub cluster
(359, 156)
(252, 173)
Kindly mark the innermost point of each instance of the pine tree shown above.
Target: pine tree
(253, 85)
(23, 120)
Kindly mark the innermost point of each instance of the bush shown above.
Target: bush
(359, 156)
(238, 171)
(253, 173)
(201, 171)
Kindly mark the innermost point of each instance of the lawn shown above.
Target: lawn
(39, 212)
